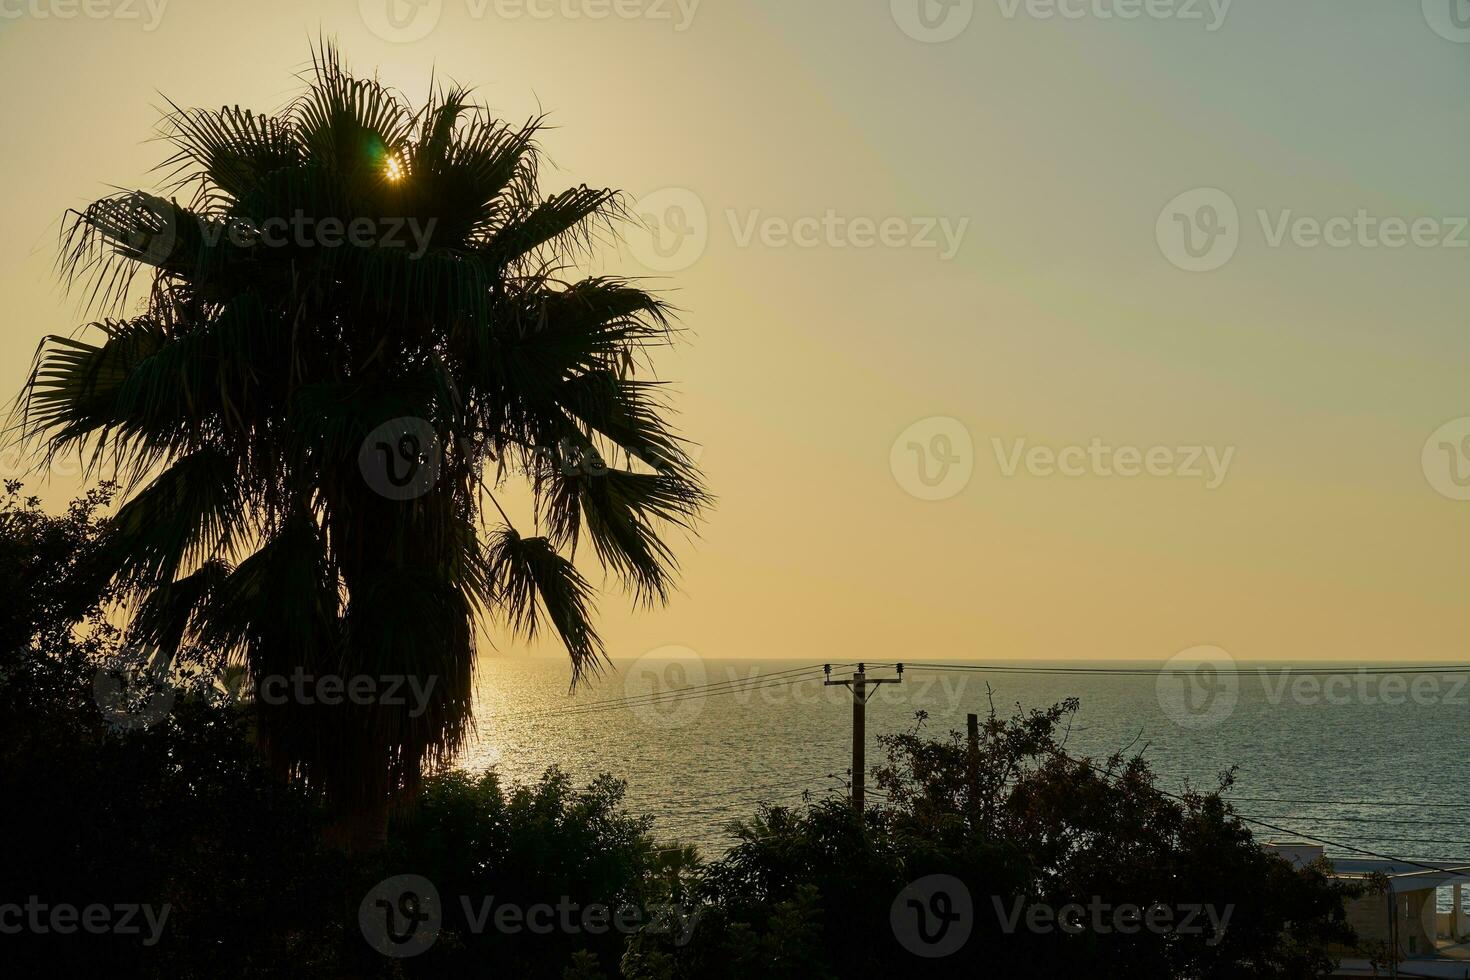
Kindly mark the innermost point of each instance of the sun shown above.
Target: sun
(393, 170)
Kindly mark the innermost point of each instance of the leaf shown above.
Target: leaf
(526, 577)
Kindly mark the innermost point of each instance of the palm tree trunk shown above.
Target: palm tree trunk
(359, 831)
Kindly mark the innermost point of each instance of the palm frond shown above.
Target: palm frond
(73, 391)
(527, 577)
(191, 511)
(170, 612)
(280, 605)
(629, 414)
(228, 150)
(620, 512)
(113, 239)
(561, 223)
(350, 125)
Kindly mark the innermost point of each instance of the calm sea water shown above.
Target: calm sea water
(695, 763)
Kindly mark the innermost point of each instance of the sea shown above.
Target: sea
(1369, 757)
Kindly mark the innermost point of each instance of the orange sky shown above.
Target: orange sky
(954, 270)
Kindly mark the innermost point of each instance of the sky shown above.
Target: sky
(1043, 330)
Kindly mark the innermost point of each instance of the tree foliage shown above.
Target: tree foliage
(361, 320)
(811, 891)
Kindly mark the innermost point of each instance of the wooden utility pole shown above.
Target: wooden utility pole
(860, 683)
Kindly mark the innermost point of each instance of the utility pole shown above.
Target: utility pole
(859, 683)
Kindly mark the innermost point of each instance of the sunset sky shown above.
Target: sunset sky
(886, 230)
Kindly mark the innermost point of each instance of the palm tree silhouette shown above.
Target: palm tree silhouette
(359, 327)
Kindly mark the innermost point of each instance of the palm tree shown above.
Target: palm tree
(358, 328)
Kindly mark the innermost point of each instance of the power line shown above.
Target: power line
(805, 784)
(738, 685)
(1356, 819)
(731, 686)
(628, 699)
(674, 697)
(1264, 799)
(1402, 840)
(1219, 669)
(1286, 830)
